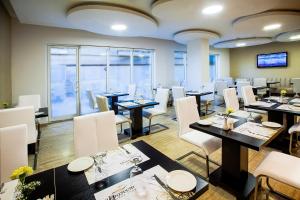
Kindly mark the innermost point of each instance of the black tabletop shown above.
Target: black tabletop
(114, 94)
(138, 104)
(43, 112)
(66, 185)
(274, 107)
(260, 87)
(244, 140)
(198, 93)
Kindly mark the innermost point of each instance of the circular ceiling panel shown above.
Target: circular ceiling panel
(289, 36)
(185, 36)
(243, 42)
(111, 20)
(268, 24)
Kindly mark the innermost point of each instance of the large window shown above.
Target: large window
(74, 71)
(180, 64)
(141, 72)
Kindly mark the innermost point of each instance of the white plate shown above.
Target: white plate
(271, 124)
(204, 122)
(296, 104)
(80, 164)
(181, 181)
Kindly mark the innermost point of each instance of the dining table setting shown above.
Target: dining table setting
(233, 175)
(282, 110)
(133, 171)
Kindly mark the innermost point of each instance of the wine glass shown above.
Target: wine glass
(136, 170)
(250, 117)
(99, 162)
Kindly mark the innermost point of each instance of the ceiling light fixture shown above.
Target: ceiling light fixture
(295, 37)
(240, 44)
(118, 27)
(271, 27)
(212, 9)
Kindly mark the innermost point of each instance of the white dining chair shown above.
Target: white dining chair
(208, 99)
(239, 85)
(13, 150)
(241, 80)
(92, 99)
(249, 98)
(296, 86)
(102, 102)
(20, 115)
(177, 92)
(280, 167)
(220, 86)
(187, 113)
(162, 97)
(231, 101)
(30, 100)
(95, 133)
(260, 82)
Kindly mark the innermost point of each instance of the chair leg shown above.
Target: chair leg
(256, 187)
(36, 154)
(291, 144)
(121, 128)
(207, 166)
(149, 125)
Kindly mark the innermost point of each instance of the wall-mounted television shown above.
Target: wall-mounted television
(279, 59)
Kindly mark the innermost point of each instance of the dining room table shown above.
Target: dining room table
(135, 108)
(198, 95)
(233, 175)
(280, 110)
(269, 83)
(115, 180)
(257, 88)
(113, 98)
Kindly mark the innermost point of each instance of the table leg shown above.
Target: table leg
(233, 175)
(198, 100)
(114, 107)
(136, 116)
(281, 142)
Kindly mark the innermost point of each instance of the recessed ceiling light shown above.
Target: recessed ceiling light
(271, 27)
(212, 9)
(119, 27)
(240, 44)
(295, 37)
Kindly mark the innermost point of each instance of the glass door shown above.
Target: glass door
(119, 70)
(63, 89)
(92, 75)
(141, 72)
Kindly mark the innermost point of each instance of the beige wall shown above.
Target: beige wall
(224, 61)
(29, 55)
(5, 52)
(243, 61)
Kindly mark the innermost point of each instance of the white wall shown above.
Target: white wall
(29, 55)
(5, 42)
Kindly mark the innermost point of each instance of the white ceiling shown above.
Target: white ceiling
(239, 18)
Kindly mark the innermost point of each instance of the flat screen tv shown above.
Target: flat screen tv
(279, 59)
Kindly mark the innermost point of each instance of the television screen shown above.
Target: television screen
(272, 60)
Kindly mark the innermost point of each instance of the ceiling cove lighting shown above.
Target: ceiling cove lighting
(240, 44)
(271, 27)
(210, 10)
(295, 37)
(119, 27)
